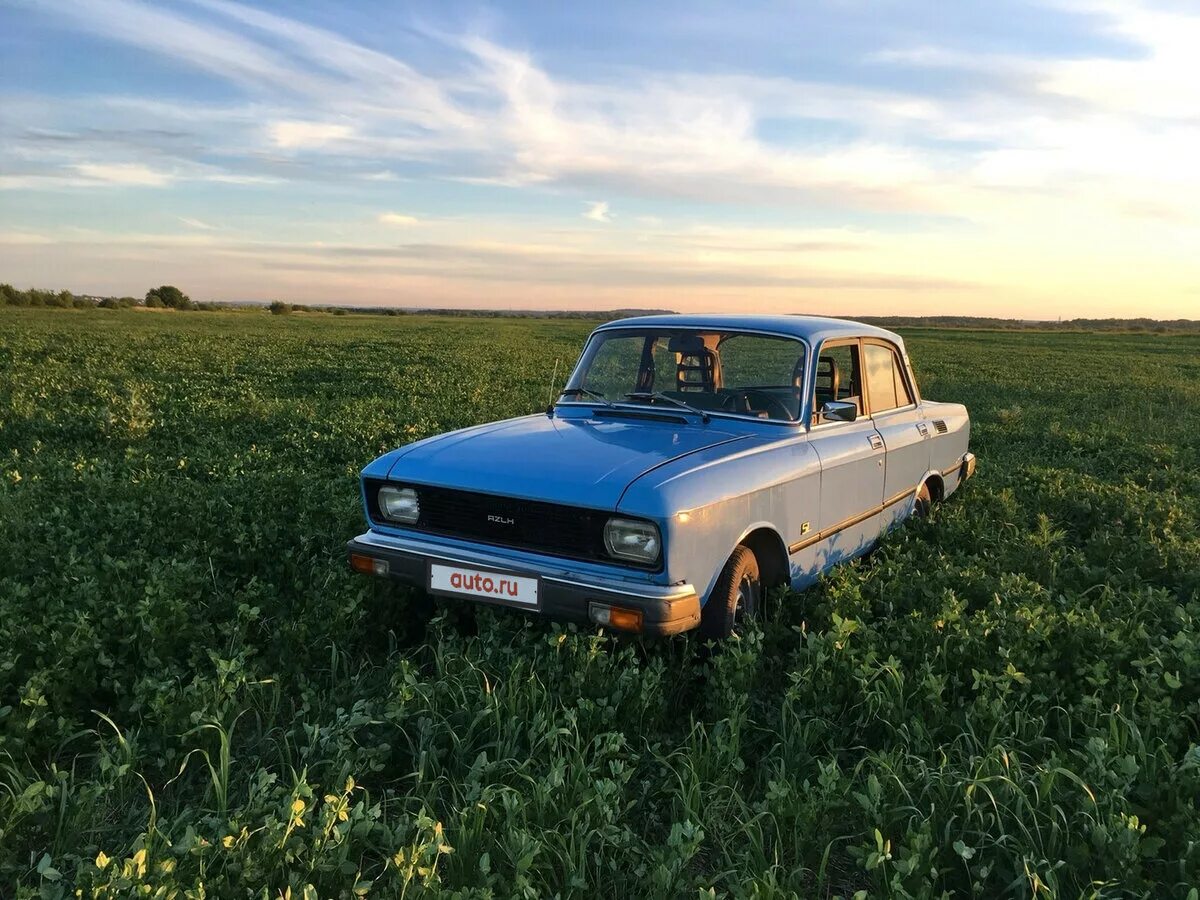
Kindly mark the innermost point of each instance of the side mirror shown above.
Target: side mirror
(839, 411)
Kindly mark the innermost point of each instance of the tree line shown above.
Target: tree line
(166, 296)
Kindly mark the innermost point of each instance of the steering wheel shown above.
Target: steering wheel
(775, 408)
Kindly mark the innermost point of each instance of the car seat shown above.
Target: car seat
(697, 366)
(827, 371)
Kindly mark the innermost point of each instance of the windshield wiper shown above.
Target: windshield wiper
(659, 395)
(586, 392)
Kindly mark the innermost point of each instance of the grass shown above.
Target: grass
(198, 699)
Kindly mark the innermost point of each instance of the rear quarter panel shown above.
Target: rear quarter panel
(947, 449)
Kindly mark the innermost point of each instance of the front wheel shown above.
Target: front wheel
(736, 598)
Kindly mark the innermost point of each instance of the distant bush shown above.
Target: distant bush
(279, 308)
(31, 297)
(170, 296)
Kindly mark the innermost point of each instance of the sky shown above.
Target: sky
(1034, 159)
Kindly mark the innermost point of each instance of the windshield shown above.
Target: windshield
(728, 372)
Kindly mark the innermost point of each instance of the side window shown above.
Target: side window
(884, 379)
(839, 377)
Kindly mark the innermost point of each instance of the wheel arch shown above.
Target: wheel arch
(769, 549)
(937, 487)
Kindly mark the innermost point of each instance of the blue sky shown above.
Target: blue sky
(1031, 159)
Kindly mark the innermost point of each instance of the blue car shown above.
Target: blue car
(691, 464)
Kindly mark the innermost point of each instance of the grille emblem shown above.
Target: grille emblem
(501, 520)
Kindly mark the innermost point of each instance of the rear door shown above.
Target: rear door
(897, 417)
(852, 462)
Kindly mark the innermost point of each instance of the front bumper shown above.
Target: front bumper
(665, 609)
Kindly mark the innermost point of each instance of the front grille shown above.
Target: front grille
(552, 528)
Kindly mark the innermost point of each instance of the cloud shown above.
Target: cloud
(123, 174)
(196, 223)
(229, 178)
(24, 238)
(482, 113)
(1041, 163)
(292, 135)
(598, 212)
(186, 39)
(494, 115)
(509, 261)
(391, 218)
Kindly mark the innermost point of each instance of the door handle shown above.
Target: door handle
(921, 428)
(876, 442)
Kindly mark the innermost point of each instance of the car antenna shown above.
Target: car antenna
(550, 389)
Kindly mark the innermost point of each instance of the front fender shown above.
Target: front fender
(708, 503)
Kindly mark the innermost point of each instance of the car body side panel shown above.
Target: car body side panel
(946, 449)
(852, 479)
(709, 501)
(907, 460)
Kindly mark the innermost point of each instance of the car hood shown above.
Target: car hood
(580, 462)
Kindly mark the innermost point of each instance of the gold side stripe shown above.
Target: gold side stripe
(852, 521)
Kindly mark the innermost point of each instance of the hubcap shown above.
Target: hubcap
(747, 599)
(923, 502)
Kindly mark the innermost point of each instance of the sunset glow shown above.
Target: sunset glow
(1028, 160)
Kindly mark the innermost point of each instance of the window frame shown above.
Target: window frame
(833, 344)
(861, 342)
(900, 363)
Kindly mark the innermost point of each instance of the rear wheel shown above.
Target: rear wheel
(736, 599)
(924, 502)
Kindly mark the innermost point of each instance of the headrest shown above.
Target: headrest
(827, 369)
(687, 344)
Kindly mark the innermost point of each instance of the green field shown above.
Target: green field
(198, 699)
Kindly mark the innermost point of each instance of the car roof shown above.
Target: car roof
(813, 329)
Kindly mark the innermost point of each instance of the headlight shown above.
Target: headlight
(632, 539)
(399, 504)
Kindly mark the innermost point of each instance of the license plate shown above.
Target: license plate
(484, 584)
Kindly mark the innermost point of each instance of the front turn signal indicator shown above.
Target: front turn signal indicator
(368, 565)
(615, 617)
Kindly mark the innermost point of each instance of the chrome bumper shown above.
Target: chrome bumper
(665, 609)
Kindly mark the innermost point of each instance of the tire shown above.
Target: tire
(736, 597)
(924, 501)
